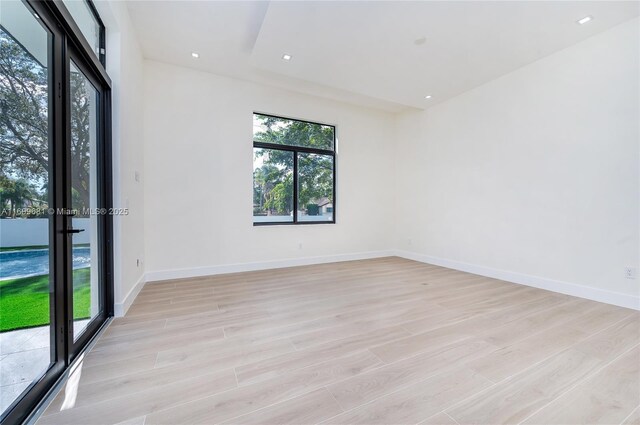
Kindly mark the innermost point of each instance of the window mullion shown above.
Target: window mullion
(295, 187)
(297, 149)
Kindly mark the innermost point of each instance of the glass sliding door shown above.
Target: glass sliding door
(27, 346)
(84, 201)
(88, 226)
(55, 227)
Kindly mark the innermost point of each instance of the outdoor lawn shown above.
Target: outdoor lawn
(24, 302)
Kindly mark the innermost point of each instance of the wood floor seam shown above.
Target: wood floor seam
(577, 383)
(387, 394)
(633, 412)
(337, 402)
(542, 360)
(449, 416)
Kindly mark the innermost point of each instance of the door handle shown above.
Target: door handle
(73, 230)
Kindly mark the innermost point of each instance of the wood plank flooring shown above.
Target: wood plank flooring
(384, 341)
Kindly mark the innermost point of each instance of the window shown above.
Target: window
(86, 17)
(294, 168)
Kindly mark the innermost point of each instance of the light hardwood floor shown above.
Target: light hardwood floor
(385, 341)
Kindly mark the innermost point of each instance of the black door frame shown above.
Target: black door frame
(104, 202)
(68, 42)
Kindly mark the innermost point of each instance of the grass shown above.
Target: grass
(23, 248)
(24, 302)
(28, 247)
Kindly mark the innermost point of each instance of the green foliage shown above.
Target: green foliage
(15, 194)
(24, 302)
(24, 121)
(315, 178)
(294, 133)
(24, 146)
(280, 198)
(273, 181)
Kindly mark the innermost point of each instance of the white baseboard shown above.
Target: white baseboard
(120, 309)
(581, 291)
(161, 275)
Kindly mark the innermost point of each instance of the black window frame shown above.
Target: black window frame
(296, 150)
(85, 45)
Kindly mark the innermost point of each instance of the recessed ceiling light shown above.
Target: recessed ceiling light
(428, 96)
(195, 55)
(286, 57)
(585, 20)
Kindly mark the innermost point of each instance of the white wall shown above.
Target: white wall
(125, 67)
(198, 176)
(18, 232)
(534, 176)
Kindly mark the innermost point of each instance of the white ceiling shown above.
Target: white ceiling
(368, 52)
